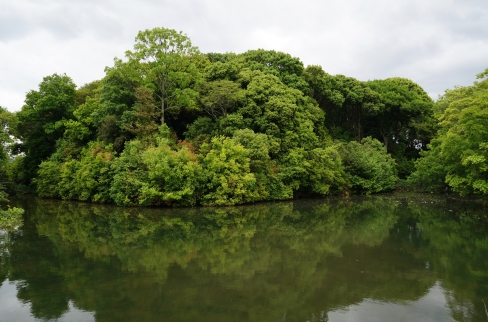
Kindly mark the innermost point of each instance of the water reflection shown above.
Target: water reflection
(319, 260)
(431, 307)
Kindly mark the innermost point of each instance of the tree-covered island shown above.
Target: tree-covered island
(171, 126)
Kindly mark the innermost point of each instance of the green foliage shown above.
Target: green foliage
(142, 119)
(10, 218)
(281, 112)
(117, 96)
(172, 174)
(15, 170)
(287, 68)
(226, 176)
(458, 156)
(87, 179)
(404, 115)
(129, 175)
(238, 128)
(346, 102)
(169, 63)
(81, 129)
(201, 130)
(48, 179)
(269, 179)
(370, 169)
(315, 171)
(41, 120)
(430, 171)
(8, 123)
(220, 97)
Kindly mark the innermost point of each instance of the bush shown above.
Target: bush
(369, 168)
(226, 177)
(48, 179)
(172, 175)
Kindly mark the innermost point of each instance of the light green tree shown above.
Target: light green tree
(169, 64)
(458, 156)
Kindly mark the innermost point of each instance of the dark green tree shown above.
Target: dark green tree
(41, 121)
(369, 168)
(347, 103)
(218, 98)
(405, 114)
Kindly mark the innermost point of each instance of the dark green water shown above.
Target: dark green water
(381, 258)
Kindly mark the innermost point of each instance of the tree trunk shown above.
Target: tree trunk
(162, 102)
(162, 111)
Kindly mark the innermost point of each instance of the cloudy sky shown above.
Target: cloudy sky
(437, 43)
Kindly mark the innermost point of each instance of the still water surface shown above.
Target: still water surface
(385, 258)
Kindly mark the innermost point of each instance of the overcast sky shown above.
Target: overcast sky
(437, 43)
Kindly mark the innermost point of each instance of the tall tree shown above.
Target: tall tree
(169, 63)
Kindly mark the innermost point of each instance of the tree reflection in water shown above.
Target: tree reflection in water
(297, 261)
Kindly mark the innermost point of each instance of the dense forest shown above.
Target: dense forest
(169, 125)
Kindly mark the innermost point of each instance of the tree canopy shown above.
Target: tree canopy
(171, 126)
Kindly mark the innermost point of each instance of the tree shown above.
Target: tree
(142, 119)
(403, 121)
(287, 68)
(219, 97)
(281, 112)
(10, 217)
(458, 156)
(168, 62)
(117, 96)
(41, 120)
(347, 102)
(405, 113)
(81, 129)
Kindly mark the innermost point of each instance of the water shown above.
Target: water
(363, 259)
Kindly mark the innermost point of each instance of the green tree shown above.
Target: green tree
(347, 103)
(458, 156)
(405, 114)
(169, 63)
(142, 119)
(227, 179)
(81, 129)
(117, 96)
(130, 175)
(41, 121)
(282, 113)
(173, 175)
(287, 68)
(10, 217)
(218, 98)
(48, 179)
